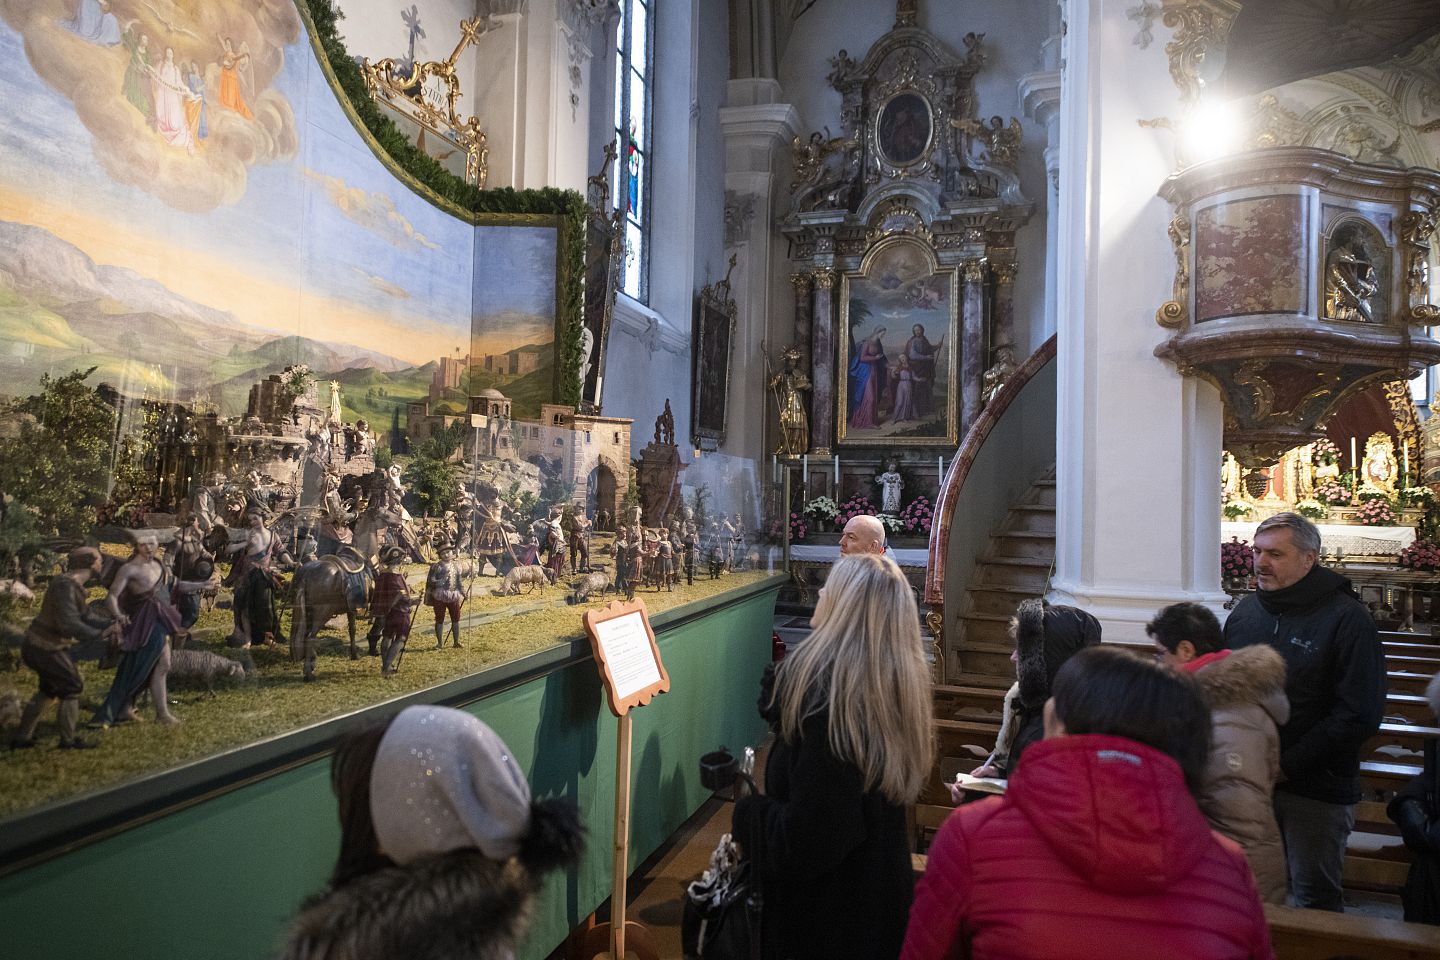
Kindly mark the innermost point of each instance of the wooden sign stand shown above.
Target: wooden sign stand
(629, 663)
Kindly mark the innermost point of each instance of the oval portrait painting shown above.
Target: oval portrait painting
(904, 128)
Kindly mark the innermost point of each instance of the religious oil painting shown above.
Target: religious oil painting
(898, 357)
(1249, 258)
(904, 129)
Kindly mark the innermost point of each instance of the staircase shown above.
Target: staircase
(1016, 566)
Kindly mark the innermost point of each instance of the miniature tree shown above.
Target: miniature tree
(58, 467)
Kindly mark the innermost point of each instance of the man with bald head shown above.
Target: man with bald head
(864, 534)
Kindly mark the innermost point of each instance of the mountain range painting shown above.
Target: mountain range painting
(185, 207)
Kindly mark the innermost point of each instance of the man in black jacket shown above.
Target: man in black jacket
(1335, 679)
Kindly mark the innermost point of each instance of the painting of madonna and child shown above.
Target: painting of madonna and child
(898, 358)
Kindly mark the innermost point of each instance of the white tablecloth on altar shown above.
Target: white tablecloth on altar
(829, 553)
(1351, 540)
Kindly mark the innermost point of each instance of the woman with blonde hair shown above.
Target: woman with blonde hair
(854, 746)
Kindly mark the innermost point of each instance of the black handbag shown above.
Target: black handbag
(727, 927)
(720, 914)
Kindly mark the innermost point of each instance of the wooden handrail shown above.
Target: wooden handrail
(964, 457)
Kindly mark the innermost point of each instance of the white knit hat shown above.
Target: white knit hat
(442, 781)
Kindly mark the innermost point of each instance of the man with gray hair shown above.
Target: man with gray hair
(1335, 679)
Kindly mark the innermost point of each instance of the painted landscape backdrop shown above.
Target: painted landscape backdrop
(185, 206)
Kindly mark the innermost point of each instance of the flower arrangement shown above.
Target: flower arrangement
(1421, 555)
(1333, 493)
(917, 516)
(1416, 497)
(297, 379)
(1236, 510)
(858, 505)
(1365, 496)
(1312, 509)
(821, 508)
(1324, 451)
(798, 528)
(893, 524)
(1237, 562)
(1376, 513)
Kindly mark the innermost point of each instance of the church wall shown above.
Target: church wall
(1138, 444)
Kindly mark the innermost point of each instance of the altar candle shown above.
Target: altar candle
(805, 472)
(1405, 446)
(774, 468)
(940, 467)
(837, 471)
(1354, 462)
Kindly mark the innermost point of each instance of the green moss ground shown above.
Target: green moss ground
(274, 700)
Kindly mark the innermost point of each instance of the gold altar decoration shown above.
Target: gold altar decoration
(428, 95)
(1379, 470)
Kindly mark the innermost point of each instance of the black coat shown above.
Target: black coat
(834, 859)
(1334, 677)
(1416, 810)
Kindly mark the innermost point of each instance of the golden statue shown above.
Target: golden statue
(1302, 472)
(1350, 282)
(1379, 470)
(794, 421)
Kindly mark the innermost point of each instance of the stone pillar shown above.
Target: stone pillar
(822, 360)
(757, 167)
(804, 316)
(972, 340)
(1138, 445)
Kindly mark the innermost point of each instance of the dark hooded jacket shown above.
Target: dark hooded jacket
(1334, 677)
(1045, 637)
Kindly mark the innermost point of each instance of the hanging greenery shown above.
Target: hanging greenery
(451, 190)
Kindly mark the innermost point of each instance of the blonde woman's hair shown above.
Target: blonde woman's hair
(863, 665)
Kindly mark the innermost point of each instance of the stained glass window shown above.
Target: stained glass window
(632, 134)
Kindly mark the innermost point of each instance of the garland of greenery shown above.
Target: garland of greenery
(426, 170)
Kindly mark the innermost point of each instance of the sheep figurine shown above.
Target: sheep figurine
(204, 667)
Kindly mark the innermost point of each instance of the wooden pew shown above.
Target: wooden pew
(1317, 935)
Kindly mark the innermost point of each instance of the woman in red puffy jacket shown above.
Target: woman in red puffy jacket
(1097, 851)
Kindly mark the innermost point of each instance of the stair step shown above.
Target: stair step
(1038, 562)
(1029, 577)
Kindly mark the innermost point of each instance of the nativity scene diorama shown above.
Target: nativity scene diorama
(283, 434)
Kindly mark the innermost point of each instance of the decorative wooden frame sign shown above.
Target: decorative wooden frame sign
(626, 654)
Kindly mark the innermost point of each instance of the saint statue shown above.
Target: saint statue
(1350, 282)
(794, 421)
(891, 483)
(1229, 478)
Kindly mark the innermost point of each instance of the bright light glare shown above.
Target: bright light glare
(1213, 130)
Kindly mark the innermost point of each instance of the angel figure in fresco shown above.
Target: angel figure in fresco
(169, 95)
(195, 103)
(232, 62)
(95, 23)
(136, 85)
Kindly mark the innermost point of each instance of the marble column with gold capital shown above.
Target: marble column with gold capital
(822, 363)
(972, 340)
(1003, 328)
(804, 317)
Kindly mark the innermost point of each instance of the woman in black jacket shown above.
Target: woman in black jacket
(855, 742)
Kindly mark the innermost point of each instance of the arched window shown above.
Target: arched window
(633, 63)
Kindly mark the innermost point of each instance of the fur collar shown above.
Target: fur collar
(1253, 674)
(453, 906)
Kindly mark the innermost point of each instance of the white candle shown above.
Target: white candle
(837, 471)
(940, 467)
(805, 472)
(1354, 462)
(774, 468)
(1405, 445)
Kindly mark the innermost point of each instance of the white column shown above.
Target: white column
(757, 165)
(1138, 446)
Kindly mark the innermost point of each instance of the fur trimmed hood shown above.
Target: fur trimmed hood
(1045, 637)
(1253, 674)
(452, 906)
